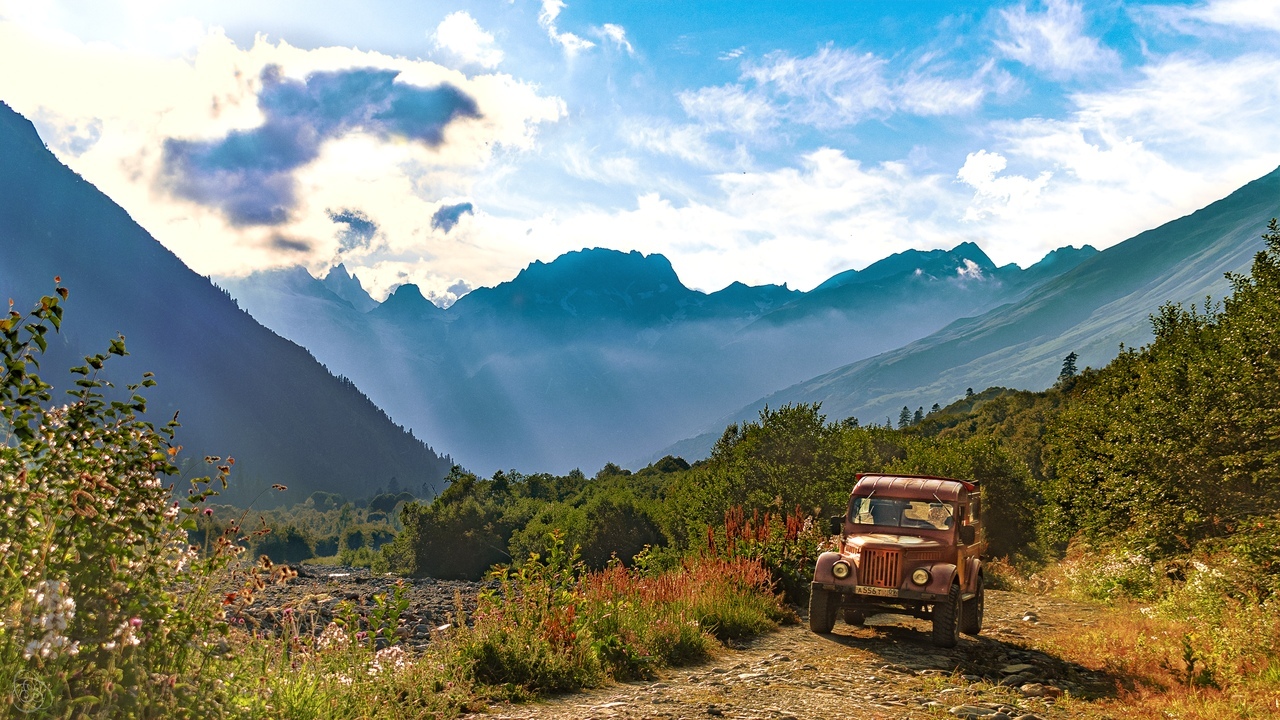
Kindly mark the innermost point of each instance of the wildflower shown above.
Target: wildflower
(53, 613)
(208, 512)
(388, 658)
(333, 636)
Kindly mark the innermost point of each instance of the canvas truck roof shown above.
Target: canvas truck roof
(921, 486)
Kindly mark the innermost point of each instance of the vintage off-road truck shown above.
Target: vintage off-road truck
(909, 544)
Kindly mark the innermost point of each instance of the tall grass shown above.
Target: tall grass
(1196, 636)
(551, 627)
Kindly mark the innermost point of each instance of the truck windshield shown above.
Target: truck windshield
(892, 512)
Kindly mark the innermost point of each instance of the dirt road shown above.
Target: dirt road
(887, 669)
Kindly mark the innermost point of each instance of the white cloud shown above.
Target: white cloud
(617, 35)
(1053, 41)
(1188, 132)
(1234, 14)
(591, 164)
(571, 43)
(730, 107)
(836, 87)
(994, 195)
(969, 270)
(687, 142)
(460, 36)
(929, 92)
(830, 88)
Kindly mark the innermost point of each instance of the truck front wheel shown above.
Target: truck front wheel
(946, 619)
(822, 610)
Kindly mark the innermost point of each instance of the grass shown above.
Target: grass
(1200, 645)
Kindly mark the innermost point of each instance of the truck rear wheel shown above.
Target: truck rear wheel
(857, 618)
(822, 610)
(946, 619)
(971, 612)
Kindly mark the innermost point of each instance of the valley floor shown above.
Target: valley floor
(887, 669)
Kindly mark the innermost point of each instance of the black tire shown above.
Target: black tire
(822, 610)
(946, 619)
(971, 612)
(856, 618)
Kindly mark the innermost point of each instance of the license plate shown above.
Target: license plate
(877, 591)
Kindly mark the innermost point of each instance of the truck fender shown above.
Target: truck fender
(822, 570)
(942, 575)
(972, 571)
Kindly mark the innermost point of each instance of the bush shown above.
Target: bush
(103, 601)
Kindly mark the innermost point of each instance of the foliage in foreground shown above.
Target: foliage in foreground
(104, 608)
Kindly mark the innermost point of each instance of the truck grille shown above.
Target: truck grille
(880, 568)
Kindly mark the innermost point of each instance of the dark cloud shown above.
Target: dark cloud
(249, 173)
(288, 244)
(449, 215)
(460, 288)
(359, 230)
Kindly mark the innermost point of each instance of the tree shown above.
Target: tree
(1068, 369)
(936, 408)
(904, 417)
(968, 392)
(918, 417)
(1177, 442)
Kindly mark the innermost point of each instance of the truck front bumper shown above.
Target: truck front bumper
(867, 592)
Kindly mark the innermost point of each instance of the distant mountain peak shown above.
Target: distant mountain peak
(347, 286)
(599, 268)
(408, 293)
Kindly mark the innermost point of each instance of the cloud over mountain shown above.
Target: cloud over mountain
(249, 173)
(359, 230)
(448, 216)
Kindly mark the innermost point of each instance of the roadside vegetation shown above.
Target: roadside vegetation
(1149, 485)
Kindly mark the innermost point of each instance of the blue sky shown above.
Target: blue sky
(450, 144)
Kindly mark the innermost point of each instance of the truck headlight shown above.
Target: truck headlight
(840, 569)
(920, 576)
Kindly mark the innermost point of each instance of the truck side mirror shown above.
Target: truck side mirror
(968, 534)
(835, 525)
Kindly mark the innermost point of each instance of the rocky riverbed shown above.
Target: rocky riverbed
(322, 592)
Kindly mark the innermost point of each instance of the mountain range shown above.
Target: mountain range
(241, 390)
(1091, 309)
(598, 355)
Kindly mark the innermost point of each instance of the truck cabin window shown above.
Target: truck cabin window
(892, 512)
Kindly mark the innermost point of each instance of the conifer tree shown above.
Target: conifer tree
(1068, 368)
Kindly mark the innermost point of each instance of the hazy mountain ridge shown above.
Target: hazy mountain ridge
(241, 389)
(1091, 309)
(599, 353)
